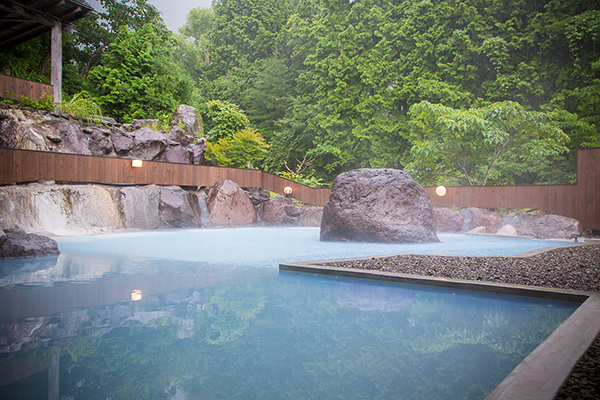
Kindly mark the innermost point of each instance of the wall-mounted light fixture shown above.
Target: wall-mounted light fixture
(287, 191)
(136, 295)
(136, 163)
(440, 190)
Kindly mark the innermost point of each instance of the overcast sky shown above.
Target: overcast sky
(174, 12)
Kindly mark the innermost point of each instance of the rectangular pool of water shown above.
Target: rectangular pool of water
(207, 314)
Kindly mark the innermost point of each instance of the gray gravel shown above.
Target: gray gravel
(575, 267)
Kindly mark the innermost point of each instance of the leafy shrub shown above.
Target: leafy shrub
(222, 119)
(240, 151)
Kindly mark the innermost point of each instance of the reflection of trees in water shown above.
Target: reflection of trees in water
(228, 312)
(333, 340)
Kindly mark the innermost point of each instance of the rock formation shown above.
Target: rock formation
(15, 243)
(488, 219)
(82, 209)
(312, 216)
(178, 208)
(548, 226)
(229, 205)
(378, 205)
(29, 129)
(279, 210)
(191, 122)
(447, 219)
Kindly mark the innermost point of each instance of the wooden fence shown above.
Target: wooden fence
(22, 87)
(580, 201)
(19, 166)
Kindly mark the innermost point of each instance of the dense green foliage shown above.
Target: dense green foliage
(497, 143)
(334, 80)
(242, 150)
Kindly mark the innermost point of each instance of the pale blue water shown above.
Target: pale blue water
(217, 320)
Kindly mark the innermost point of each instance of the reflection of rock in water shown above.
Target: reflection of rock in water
(178, 310)
(372, 297)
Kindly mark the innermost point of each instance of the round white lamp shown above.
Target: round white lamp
(440, 190)
(287, 191)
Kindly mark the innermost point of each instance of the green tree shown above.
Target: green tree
(222, 119)
(242, 150)
(480, 145)
(140, 77)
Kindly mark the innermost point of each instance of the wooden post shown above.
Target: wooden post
(56, 63)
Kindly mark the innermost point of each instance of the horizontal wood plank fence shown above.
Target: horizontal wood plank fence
(580, 201)
(19, 166)
(22, 87)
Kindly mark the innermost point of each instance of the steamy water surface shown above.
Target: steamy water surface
(205, 313)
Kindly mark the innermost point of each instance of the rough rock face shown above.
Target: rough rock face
(312, 216)
(378, 205)
(176, 153)
(17, 244)
(122, 140)
(547, 226)
(72, 139)
(29, 129)
(140, 206)
(447, 219)
(488, 219)
(148, 144)
(178, 208)
(100, 143)
(279, 210)
(229, 205)
(191, 121)
(81, 209)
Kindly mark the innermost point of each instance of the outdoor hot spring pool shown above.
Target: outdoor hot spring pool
(205, 313)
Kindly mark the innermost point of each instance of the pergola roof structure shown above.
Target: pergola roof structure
(24, 20)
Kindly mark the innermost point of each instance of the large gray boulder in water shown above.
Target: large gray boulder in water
(378, 205)
(15, 243)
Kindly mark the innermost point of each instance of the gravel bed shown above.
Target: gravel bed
(574, 267)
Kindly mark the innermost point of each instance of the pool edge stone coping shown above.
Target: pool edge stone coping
(545, 370)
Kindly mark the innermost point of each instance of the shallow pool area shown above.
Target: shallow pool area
(206, 313)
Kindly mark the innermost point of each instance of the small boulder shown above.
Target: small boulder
(447, 219)
(488, 219)
(229, 205)
(178, 208)
(548, 226)
(312, 216)
(378, 205)
(198, 152)
(507, 230)
(122, 140)
(73, 140)
(141, 123)
(148, 144)
(279, 210)
(176, 134)
(100, 142)
(190, 120)
(176, 153)
(18, 244)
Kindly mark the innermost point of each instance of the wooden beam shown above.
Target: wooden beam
(56, 63)
(20, 9)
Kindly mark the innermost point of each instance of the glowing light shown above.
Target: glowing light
(136, 295)
(287, 190)
(440, 190)
(136, 163)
